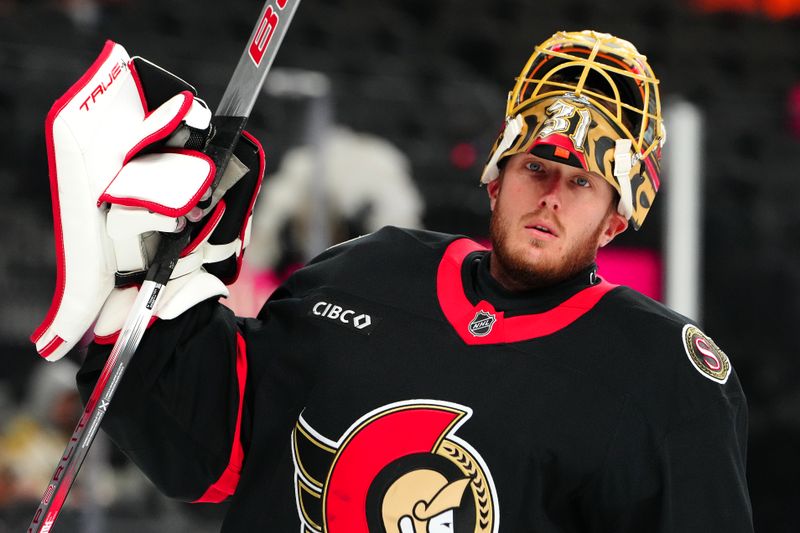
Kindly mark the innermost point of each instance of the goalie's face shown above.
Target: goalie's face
(548, 220)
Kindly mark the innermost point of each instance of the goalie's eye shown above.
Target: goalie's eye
(534, 166)
(583, 181)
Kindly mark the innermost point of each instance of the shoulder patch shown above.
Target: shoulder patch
(705, 355)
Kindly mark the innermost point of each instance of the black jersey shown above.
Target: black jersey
(392, 386)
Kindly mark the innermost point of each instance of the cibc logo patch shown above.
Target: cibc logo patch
(705, 355)
(343, 316)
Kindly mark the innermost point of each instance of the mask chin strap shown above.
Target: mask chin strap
(622, 171)
(510, 133)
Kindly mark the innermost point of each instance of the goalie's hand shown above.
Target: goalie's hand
(212, 259)
(118, 177)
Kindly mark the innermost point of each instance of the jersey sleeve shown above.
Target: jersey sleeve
(688, 476)
(200, 386)
(184, 411)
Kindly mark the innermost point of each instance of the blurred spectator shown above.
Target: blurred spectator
(84, 14)
(32, 441)
(366, 184)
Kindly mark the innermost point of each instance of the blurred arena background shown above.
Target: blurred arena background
(383, 112)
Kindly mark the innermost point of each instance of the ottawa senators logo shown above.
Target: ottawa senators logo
(398, 469)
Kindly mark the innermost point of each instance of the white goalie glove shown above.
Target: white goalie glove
(119, 176)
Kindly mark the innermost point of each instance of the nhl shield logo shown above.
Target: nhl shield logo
(482, 324)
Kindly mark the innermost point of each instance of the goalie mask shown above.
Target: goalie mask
(589, 100)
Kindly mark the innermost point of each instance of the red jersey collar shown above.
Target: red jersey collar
(483, 324)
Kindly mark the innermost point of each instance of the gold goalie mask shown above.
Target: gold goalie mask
(590, 100)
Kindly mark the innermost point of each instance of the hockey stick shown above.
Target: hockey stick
(227, 124)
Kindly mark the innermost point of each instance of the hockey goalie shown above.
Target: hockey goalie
(406, 381)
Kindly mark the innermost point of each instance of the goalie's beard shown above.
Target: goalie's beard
(523, 274)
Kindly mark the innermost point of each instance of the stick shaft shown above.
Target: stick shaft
(247, 79)
(83, 436)
(229, 120)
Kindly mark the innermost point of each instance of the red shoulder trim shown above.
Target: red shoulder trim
(229, 480)
(460, 312)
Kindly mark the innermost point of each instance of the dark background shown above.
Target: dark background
(431, 75)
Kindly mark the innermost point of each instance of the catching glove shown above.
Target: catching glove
(124, 165)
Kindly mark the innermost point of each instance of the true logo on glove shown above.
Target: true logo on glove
(101, 89)
(263, 34)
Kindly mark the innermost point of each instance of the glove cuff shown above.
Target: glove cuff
(179, 295)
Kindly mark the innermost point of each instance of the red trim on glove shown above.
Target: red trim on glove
(160, 208)
(166, 130)
(261, 168)
(51, 346)
(229, 480)
(169, 128)
(61, 269)
(216, 216)
(139, 88)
